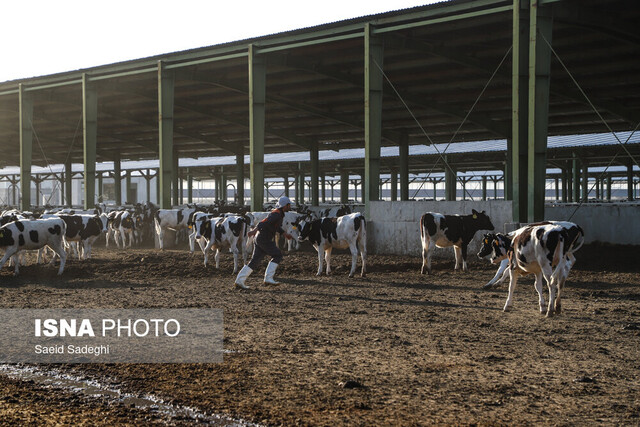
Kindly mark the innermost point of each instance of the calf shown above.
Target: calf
(450, 230)
(84, 229)
(172, 219)
(540, 250)
(497, 245)
(221, 233)
(347, 231)
(33, 234)
(122, 223)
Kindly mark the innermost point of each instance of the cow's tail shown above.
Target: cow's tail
(156, 220)
(362, 232)
(559, 258)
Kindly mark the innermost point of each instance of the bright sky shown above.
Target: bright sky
(41, 37)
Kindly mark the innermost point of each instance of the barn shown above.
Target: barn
(527, 110)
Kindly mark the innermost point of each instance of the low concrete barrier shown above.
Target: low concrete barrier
(393, 227)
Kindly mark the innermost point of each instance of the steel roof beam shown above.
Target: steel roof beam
(302, 142)
(418, 101)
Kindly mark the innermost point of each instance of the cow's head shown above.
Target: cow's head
(293, 227)
(303, 226)
(139, 220)
(481, 221)
(203, 227)
(496, 245)
(102, 221)
(127, 222)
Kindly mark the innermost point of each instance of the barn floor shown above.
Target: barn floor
(395, 347)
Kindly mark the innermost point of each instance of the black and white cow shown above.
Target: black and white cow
(498, 245)
(172, 219)
(123, 223)
(84, 229)
(335, 211)
(33, 234)
(540, 250)
(347, 231)
(222, 233)
(195, 219)
(450, 230)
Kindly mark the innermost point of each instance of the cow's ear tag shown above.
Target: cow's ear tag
(475, 216)
(190, 227)
(294, 227)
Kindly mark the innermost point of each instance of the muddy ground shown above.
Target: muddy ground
(394, 348)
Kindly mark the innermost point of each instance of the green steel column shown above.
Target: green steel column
(90, 138)
(240, 178)
(166, 83)
(609, 187)
(315, 176)
(564, 181)
(516, 186)
(450, 182)
(404, 166)
(189, 186)
(25, 104)
(37, 198)
(300, 195)
(576, 178)
(344, 186)
(100, 182)
(585, 182)
(257, 97)
(540, 24)
(68, 180)
(147, 179)
(507, 173)
(323, 188)
(223, 185)
(285, 182)
(373, 80)
(394, 185)
(158, 188)
(117, 178)
(127, 188)
(175, 178)
(484, 187)
(630, 181)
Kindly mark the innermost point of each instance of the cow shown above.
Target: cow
(33, 234)
(84, 229)
(172, 219)
(540, 250)
(196, 218)
(347, 231)
(122, 223)
(335, 211)
(221, 233)
(450, 230)
(288, 225)
(498, 245)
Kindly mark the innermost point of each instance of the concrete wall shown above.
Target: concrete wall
(393, 227)
(606, 223)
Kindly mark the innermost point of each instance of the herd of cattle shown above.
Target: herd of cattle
(544, 249)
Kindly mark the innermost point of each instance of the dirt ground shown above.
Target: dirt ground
(394, 348)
